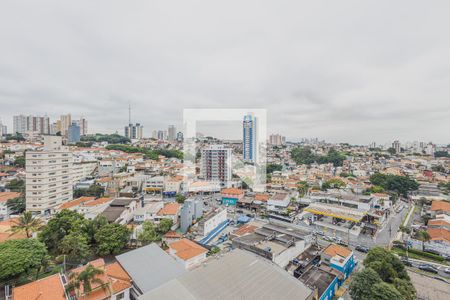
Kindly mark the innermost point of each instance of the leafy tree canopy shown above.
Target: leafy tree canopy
(110, 138)
(111, 238)
(20, 257)
(441, 154)
(362, 280)
(149, 153)
(304, 155)
(273, 167)
(92, 191)
(394, 183)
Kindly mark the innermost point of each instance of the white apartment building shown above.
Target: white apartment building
(82, 170)
(23, 124)
(216, 164)
(277, 140)
(66, 121)
(48, 176)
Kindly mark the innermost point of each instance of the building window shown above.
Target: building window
(120, 296)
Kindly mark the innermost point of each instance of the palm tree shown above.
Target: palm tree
(26, 223)
(424, 237)
(85, 279)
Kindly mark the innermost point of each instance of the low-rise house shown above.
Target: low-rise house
(439, 208)
(188, 252)
(169, 211)
(230, 196)
(171, 236)
(279, 200)
(121, 210)
(340, 258)
(276, 243)
(93, 208)
(113, 284)
(149, 212)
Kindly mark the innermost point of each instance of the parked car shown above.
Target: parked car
(447, 270)
(362, 249)
(428, 268)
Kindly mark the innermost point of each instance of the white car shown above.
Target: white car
(447, 270)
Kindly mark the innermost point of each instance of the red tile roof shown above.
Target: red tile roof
(440, 205)
(48, 288)
(169, 209)
(186, 249)
(5, 196)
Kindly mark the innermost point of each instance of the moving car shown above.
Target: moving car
(362, 249)
(428, 268)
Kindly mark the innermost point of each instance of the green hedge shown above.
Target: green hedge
(421, 253)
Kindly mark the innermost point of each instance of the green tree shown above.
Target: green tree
(406, 288)
(111, 238)
(59, 226)
(441, 154)
(334, 183)
(387, 265)
(20, 162)
(361, 283)
(20, 257)
(92, 191)
(16, 205)
(424, 237)
(273, 167)
(302, 187)
(391, 151)
(401, 185)
(76, 246)
(165, 225)
(148, 233)
(27, 224)
(16, 185)
(180, 198)
(384, 291)
(85, 279)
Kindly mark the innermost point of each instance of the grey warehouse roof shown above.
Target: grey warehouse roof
(237, 275)
(150, 267)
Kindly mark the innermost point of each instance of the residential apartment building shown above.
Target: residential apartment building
(172, 133)
(48, 176)
(23, 124)
(66, 121)
(277, 140)
(134, 131)
(249, 139)
(216, 164)
(83, 126)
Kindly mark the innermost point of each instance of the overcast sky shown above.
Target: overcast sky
(350, 71)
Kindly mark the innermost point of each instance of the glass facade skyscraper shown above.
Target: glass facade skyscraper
(249, 144)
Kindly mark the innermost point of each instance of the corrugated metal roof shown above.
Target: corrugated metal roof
(150, 266)
(237, 275)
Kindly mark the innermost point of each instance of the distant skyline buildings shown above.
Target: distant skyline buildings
(55, 127)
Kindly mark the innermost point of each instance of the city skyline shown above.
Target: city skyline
(378, 83)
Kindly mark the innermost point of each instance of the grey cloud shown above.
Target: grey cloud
(344, 70)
